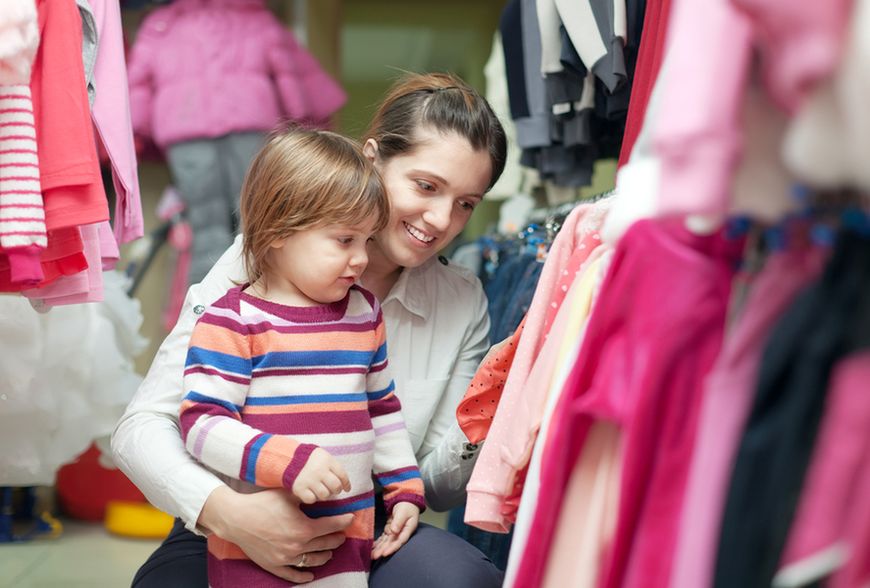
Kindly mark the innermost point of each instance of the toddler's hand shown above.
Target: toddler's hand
(398, 530)
(321, 478)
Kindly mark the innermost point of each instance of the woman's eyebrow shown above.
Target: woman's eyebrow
(432, 175)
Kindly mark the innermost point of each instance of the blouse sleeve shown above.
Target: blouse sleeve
(446, 456)
(146, 443)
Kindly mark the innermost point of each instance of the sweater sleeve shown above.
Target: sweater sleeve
(217, 376)
(140, 73)
(394, 464)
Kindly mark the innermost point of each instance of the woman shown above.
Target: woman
(439, 148)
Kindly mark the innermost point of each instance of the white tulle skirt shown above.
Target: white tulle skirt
(65, 378)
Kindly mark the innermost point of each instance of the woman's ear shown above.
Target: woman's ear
(277, 243)
(370, 150)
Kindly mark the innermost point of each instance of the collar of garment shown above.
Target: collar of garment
(412, 289)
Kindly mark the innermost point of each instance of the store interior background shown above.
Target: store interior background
(365, 44)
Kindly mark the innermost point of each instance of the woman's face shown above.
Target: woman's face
(433, 191)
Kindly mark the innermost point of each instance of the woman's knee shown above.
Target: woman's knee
(434, 558)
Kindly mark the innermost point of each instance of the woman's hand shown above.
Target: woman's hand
(400, 527)
(271, 529)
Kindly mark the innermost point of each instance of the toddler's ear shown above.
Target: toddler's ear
(370, 150)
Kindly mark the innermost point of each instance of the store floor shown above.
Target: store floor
(86, 556)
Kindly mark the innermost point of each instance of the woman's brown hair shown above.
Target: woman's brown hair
(444, 103)
(302, 179)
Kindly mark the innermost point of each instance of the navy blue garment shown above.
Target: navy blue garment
(495, 545)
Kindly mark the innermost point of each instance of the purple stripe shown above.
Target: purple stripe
(300, 458)
(311, 423)
(200, 437)
(350, 449)
(391, 473)
(354, 555)
(390, 502)
(319, 371)
(219, 319)
(389, 428)
(199, 369)
(384, 406)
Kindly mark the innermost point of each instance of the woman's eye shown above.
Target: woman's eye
(345, 240)
(424, 185)
(467, 206)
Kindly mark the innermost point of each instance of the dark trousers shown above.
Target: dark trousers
(432, 558)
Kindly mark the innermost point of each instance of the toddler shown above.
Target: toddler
(286, 381)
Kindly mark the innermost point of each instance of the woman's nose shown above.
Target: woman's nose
(438, 214)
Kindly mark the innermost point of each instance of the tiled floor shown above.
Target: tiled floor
(87, 556)
(84, 556)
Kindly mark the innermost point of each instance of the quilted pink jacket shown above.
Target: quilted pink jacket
(204, 68)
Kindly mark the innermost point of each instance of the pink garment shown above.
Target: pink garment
(653, 335)
(111, 116)
(832, 492)
(729, 391)
(856, 573)
(697, 134)
(109, 252)
(591, 240)
(511, 436)
(801, 43)
(85, 286)
(242, 71)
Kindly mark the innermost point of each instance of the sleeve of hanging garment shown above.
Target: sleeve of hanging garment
(446, 456)
(146, 443)
(140, 73)
(306, 91)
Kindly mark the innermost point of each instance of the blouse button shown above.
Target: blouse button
(198, 309)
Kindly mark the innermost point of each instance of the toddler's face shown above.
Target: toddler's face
(321, 264)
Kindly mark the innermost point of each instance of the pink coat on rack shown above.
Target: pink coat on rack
(242, 70)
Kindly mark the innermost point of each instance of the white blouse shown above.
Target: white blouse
(437, 334)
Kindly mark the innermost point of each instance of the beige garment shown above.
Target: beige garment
(588, 515)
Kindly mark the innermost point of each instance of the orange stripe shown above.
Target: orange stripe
(217, 338)
(273, 459)
(300, 408)
(414, 486)
(363, 525)
(222, 549)
(350, 341)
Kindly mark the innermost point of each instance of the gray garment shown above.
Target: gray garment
(533, 131)
(208, 174)
(90, 44)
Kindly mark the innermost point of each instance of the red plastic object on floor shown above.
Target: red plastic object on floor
(85, 487)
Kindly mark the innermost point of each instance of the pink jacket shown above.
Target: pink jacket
(204, 68)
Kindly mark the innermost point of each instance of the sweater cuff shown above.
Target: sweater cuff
(414, 499)
(300, 458)
(24, 265)
(483, 510)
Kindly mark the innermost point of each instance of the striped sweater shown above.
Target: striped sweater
(22, 213)
(265, 384)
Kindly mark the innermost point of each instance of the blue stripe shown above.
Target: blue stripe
(222, 361)
(378, 394)
(251, 472)
(328, 511)
(380, 354)
(277, 359)
(409, 475)
(203, 399)
(314, 398)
